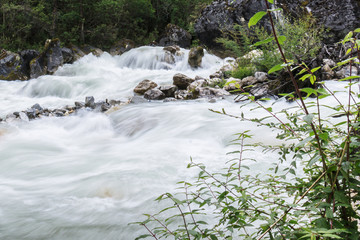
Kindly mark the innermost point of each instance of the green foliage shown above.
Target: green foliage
(242, 72)
(27, 24)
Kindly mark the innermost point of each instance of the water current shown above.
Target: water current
(86, 176)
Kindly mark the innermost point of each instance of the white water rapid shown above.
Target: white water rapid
(86, 176)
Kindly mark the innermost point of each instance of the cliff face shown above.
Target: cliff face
(338, 16)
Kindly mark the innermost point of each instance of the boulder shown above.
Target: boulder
(233, 84)
(78, 53)
(68, 55)
(197, 84)
(260, 91)
(172, 49)
(27, 56)
(144, 86)
(154, 94)
(327, 72)
(221, 15)
(182, 81)
(169, 90)
(90, 102)
(185, 95)
(261, 76)
(195, 56)
(175, 35)
(337, 16)
(48, 61)
(10, 66)
(122, 46)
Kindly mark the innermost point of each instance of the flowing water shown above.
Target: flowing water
(88, 175)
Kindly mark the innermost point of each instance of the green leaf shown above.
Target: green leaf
(264, 41)
(256, 18)
(348, 36)
(276, 68)
(270, 1)
(281, 39)
(143, 236)
(349, 78)
(357, 30)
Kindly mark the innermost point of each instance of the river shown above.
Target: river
(86, 176)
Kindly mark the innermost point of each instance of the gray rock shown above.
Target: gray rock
(172, 49)
(68, 55)
(90, 102)
(329, 62)
(175, 35)
(37, 107)
(31, 113)
(10, 66)
(169, 90)
(154, 94)
(212, 82)
(260, 91)
(27, 56)
(182, 81)
(185, 95)
(195, 56)
(340, 74)
(249, 81)
(354, 71)
(79, 105)
(337, 16)
(327, 72)
(261, 76)
(212, 100)
(196, 84)
(169, 58)
(48, 61)
(144, 86)
(233, 84)
(114, 102)
(221, 15)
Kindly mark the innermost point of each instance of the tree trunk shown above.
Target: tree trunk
(82, 35)
(53, 27)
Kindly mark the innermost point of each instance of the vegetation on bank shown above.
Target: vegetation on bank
(27, 24)
(312, 191)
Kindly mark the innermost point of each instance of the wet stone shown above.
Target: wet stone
(90, 102)
(31, 113)
(17, 114)
(114, 102)
(79, 105)
(37, 107)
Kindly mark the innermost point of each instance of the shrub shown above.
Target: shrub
(317, 201)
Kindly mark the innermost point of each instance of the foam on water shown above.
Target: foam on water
(87, 176)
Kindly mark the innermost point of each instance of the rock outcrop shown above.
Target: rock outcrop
(338, 16)
(221, 15)
(10, 66)
(174, 35)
